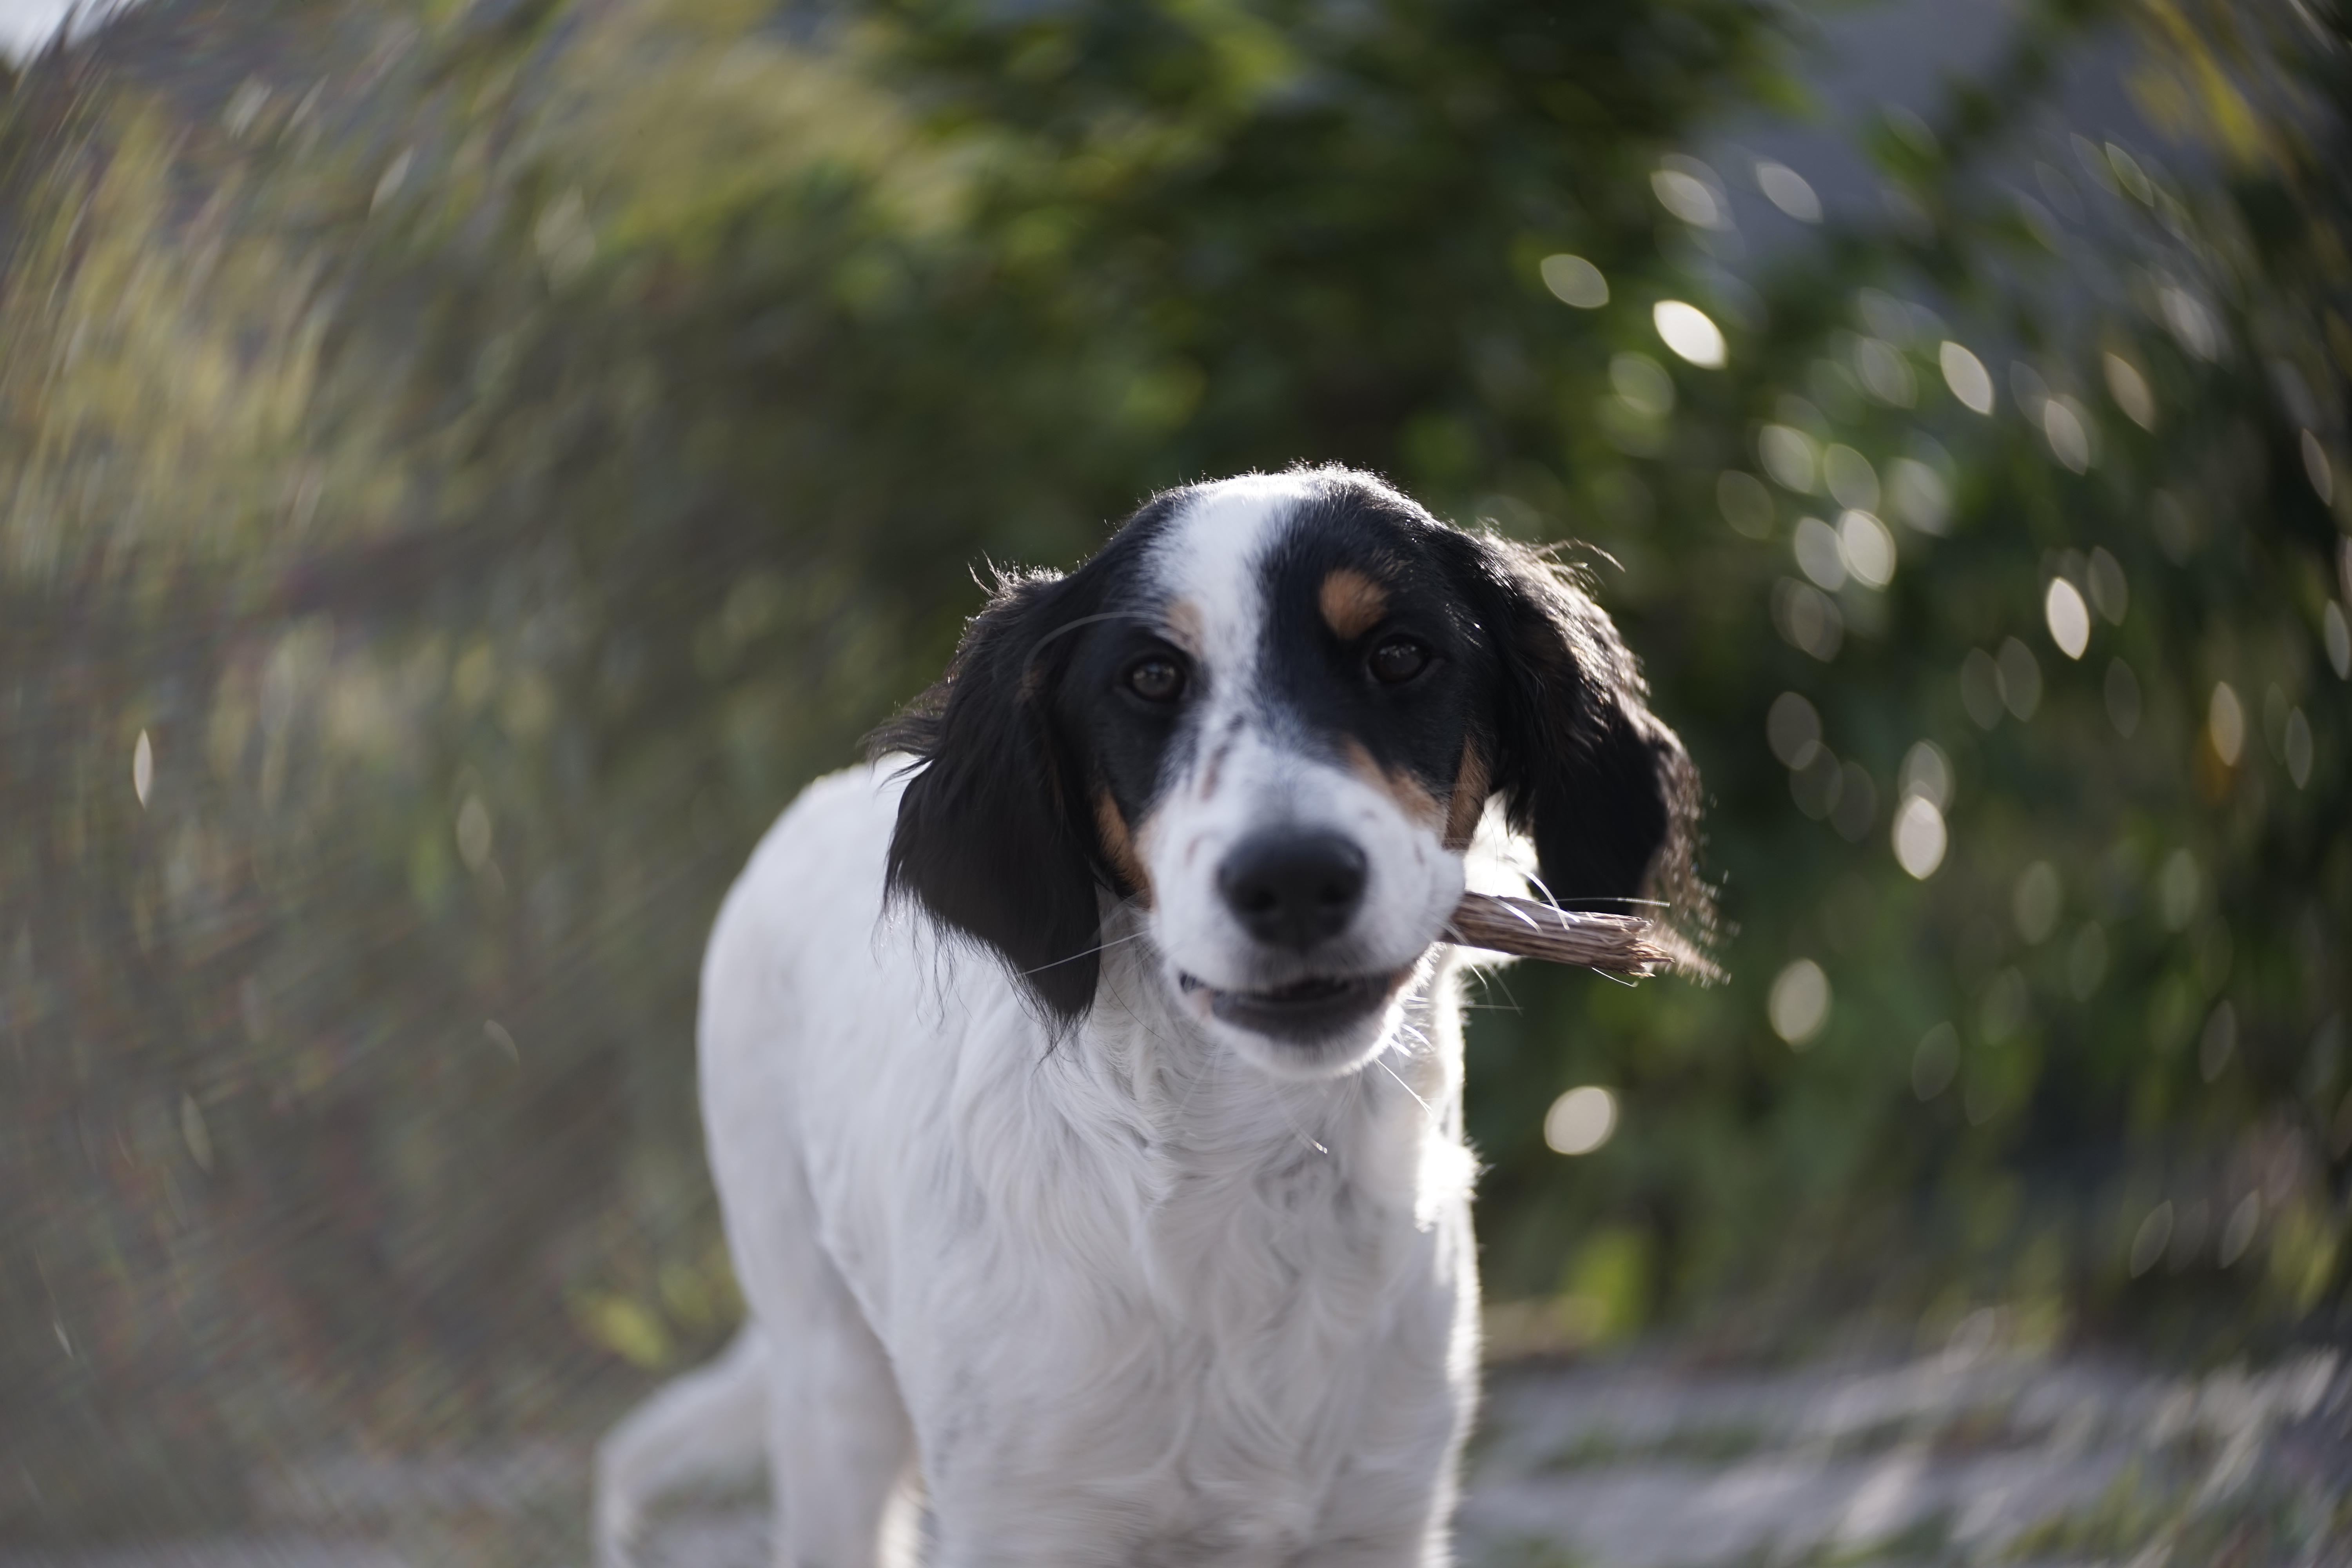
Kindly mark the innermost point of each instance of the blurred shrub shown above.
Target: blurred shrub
(466, 470)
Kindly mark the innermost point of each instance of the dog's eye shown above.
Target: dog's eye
(1156, 679)
(1398, 660)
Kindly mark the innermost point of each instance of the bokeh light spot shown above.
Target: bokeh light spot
(1980, 688)
(1790, 457)
(1967, 377)
(2191, 322)
(142, 767)
(1885, 373)
(1808, 618)
(1867, 548)
(1935, 1062)
(1580, 1121)
(1746, 504)
(1688, 197)
(1918, 496)
(2068, 617)
(2238, 1234)
(1850, 478)
(1927, 771)
(1817, 784)
(2130, 175)
(1642, 382)
(2149, 1240)
(2225, 722)
(2109, 590)
(2021, 679)
(1686, 330)
(2067, 428)
(1919, 836)
(1799, 1003)
(1794, 730)
(2297, 747)
(2129, 389)
(1788, 190)
(1819, 557)
(1574, 281)
(1856, 809)
(2318, 469)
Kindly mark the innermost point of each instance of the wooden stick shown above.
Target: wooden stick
(1621, 945)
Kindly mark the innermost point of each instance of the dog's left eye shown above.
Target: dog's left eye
(1156, 679)
(1398, 660)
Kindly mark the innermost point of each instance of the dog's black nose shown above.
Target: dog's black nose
(1293, 890)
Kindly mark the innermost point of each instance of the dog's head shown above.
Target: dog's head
(1271, 711)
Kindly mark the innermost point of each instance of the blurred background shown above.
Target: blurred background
(464, 467)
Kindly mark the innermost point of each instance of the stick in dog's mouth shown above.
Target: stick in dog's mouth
(1621, 944)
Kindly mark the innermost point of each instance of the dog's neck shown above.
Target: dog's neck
(1221, 1133)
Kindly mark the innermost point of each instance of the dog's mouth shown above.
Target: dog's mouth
(1305, 1012)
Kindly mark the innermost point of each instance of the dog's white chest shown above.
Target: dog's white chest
(1225, 1382)
(1152, 1300)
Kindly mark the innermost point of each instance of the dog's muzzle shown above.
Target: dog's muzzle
(1295, 890)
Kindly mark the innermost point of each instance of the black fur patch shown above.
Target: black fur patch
(995, 836)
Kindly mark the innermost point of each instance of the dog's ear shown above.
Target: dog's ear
(990, 840)
(1602, 787)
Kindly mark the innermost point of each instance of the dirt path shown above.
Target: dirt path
(1966, 1457)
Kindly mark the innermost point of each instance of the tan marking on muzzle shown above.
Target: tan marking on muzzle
(1352, 603)
(1469, 798)
(1415, 801)
(1118, 847)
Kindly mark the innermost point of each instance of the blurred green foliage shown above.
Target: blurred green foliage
(465, 468)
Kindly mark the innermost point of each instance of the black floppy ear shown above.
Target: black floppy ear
(1602, 786)
(989, 840)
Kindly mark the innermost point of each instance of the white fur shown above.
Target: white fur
(1134, 1297)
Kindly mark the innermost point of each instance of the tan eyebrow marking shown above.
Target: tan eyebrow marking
(1400, 788)
(1352, 603)
(1118, 847)
(1469, 798)
(1184, 627)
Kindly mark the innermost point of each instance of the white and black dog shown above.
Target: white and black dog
(1137, 1231)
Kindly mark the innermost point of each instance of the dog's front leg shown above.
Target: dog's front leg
(840, 1451)
(1427, 1546)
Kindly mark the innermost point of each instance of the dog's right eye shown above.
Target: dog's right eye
(1398, 660)
(1156, 679)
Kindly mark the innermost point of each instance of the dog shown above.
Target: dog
(1082, 1078)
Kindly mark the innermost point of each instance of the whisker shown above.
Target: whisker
(1083, 621)
(1089, 952)
(1536, 881)
(1402, 1085)
(1493, 979)
(1283, 1105)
